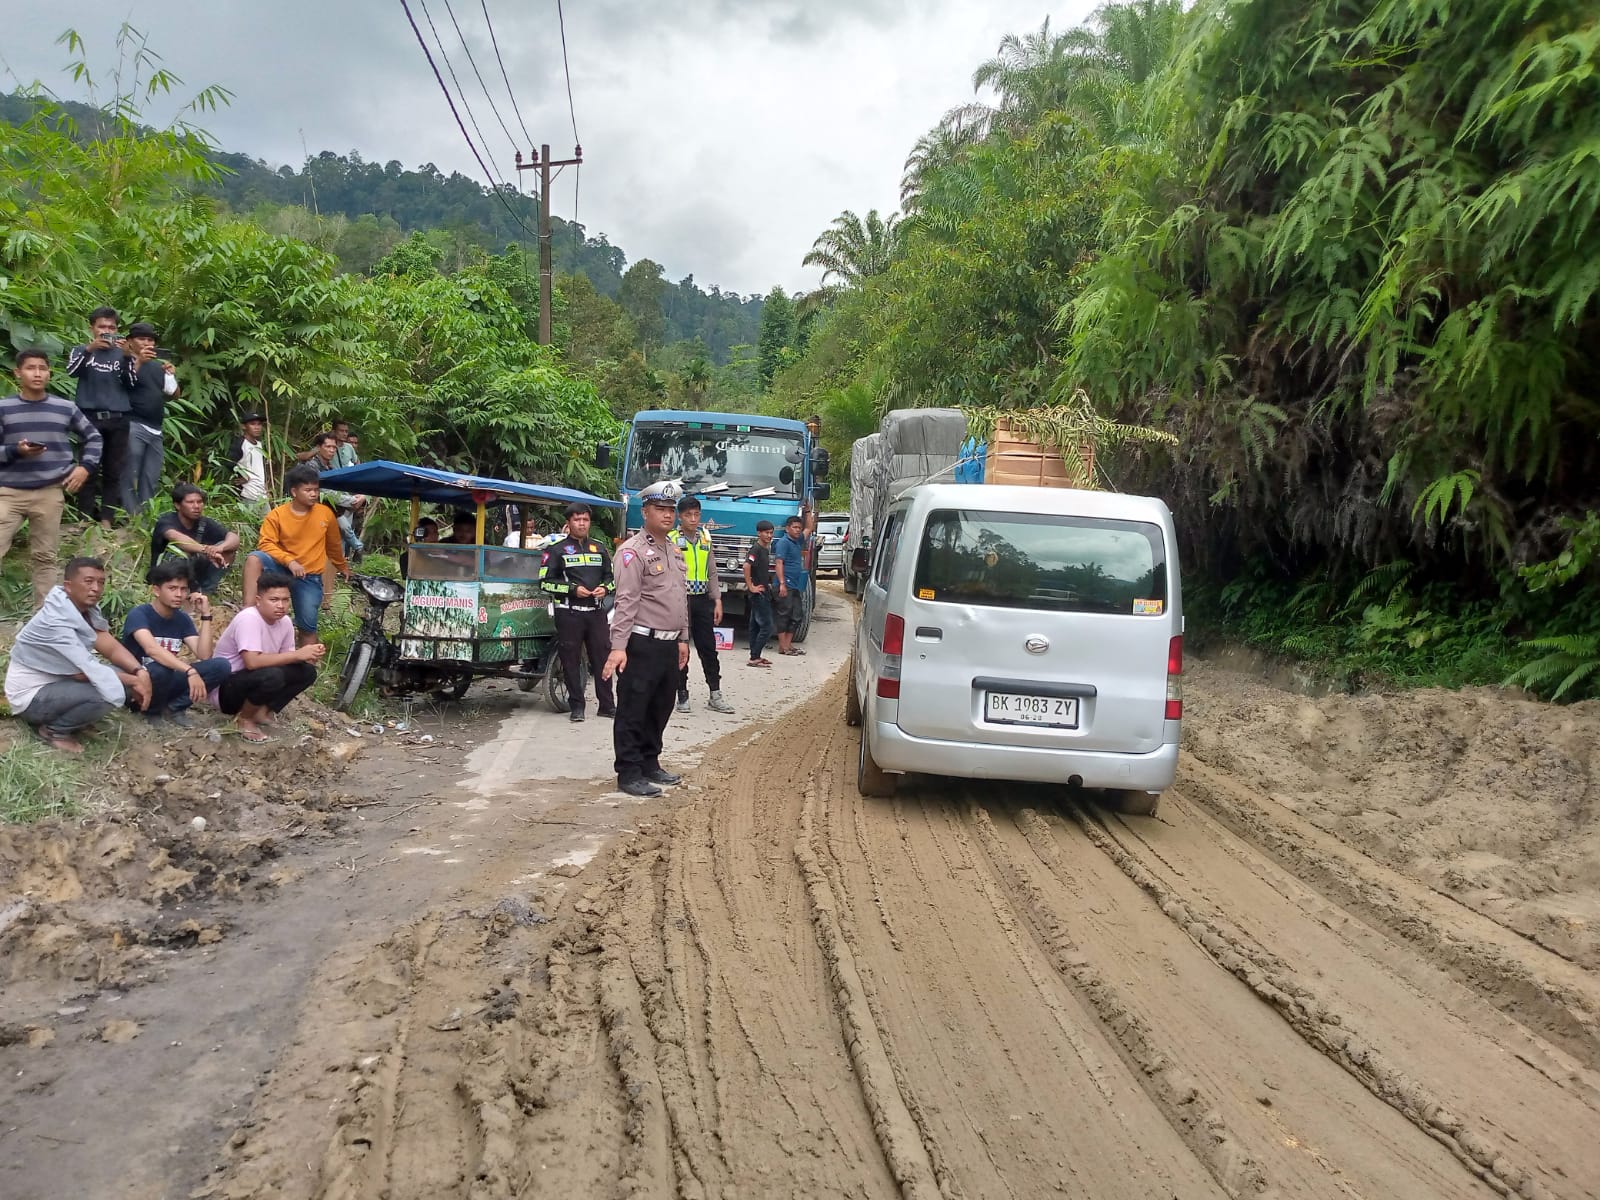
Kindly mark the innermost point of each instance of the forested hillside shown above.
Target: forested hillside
(1346, 252)
(358, 211)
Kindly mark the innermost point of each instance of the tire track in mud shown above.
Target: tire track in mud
(1529, 983)
(1327, 1025)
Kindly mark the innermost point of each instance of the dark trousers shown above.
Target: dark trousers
(645, 694)
(760, 622)
(271, 686)
(703, 633)
(66, 706)
(100, 497)
(579, 630)
(169, 689)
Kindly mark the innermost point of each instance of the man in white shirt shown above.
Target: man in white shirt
(250, 459)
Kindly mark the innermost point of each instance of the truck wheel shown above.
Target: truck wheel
(870, 781)
(805, 621)
(1136, 804)
(852, 702)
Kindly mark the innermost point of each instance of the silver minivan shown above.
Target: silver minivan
(1021, 633)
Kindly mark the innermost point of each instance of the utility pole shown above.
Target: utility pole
(542, 163)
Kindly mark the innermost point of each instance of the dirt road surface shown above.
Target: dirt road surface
(1326, 969)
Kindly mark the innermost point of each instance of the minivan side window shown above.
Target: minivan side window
(1040, 561)
(888, 545)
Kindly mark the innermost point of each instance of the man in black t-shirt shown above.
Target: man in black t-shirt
(105, 375)
(154, 381)
(758, 586)
(186, 530)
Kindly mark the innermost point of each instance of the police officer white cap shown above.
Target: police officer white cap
(665, 491)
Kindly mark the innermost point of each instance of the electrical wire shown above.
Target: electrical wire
(562, 18)
(473, 63)
(460, 91)
(493, 41)
(450, 100)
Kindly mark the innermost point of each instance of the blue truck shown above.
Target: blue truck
(744, 467)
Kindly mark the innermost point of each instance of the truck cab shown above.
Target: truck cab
(743, 467)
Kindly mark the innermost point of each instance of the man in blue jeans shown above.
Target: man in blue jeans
(758, 586)
(155, 633)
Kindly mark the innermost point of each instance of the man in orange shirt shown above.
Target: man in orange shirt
(301, 537)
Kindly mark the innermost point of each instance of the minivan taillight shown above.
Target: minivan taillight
(894, 644)
(1175, 679)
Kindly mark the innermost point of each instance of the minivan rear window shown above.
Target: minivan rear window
(1033, 560)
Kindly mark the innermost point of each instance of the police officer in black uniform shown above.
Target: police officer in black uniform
(576, 573)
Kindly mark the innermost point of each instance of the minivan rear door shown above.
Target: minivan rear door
(1035, 629)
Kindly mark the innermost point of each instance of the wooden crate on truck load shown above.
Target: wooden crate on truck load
(1019, 461)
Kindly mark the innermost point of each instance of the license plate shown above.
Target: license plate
(1013, 708)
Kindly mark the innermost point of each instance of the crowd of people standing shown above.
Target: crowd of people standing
(103, 453)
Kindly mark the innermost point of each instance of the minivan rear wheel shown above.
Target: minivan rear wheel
(870, 781)
(1136, 804)
(852, 702)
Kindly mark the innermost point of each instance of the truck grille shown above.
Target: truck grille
(730, 550)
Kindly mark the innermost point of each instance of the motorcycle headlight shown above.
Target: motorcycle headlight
(384, 591)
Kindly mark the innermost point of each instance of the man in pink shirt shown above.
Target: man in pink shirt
(268, 671)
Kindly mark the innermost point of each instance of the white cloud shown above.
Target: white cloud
(720, 136)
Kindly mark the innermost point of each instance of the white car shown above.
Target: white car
(831, 531)
(1021, 633)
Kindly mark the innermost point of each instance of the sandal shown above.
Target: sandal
(757, 662)
(793, 653)
(254, 736)
(58, 741)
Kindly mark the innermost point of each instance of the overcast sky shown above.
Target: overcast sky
(719, 136)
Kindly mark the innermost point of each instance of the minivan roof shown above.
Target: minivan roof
(1051, 501)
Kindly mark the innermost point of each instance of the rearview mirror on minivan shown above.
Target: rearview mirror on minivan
(819, 463)
(602, 455)
(821, 491)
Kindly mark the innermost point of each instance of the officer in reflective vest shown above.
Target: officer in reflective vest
(576, 573)
(649, 641)
(705, 602)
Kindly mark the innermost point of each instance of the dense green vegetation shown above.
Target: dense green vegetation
(1346, 252)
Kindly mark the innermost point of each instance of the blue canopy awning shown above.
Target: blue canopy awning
(401, 482)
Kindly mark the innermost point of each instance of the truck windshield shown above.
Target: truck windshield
(744, 460)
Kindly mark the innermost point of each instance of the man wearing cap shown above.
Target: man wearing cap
(649, 641)
(576, 573)
(705, 602)
(153, 382)
(250, 460)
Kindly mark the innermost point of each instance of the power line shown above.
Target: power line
(460, 91)
(493, 41)
(473, 63)
(450, 100)
(562, 18)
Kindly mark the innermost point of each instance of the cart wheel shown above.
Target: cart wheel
(356, 665)
(526, 683)
(454, 689)
(555, 686)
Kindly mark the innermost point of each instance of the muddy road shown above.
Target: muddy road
(1352, 957)
(774, 987)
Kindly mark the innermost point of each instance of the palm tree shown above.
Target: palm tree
(852, 249)
(1085, 72)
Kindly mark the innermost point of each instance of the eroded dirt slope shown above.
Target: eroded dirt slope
(1487, 797)
(782, 989)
